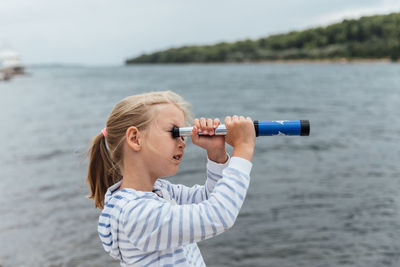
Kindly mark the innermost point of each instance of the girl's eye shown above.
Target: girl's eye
(183, 138)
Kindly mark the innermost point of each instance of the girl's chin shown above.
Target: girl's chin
(171, 172)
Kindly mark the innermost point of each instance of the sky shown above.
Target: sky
(104, 32)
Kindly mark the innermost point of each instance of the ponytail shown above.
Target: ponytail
(102, 172)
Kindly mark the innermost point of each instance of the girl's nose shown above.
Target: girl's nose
(182, 142)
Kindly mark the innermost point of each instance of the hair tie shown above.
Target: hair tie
(104, 132)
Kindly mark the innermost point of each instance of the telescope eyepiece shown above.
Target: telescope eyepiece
(175, 132)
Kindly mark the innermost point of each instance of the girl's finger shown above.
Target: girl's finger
(196, 123)
(228, 120)
(216, 122)
(203, 126)
(210, 127)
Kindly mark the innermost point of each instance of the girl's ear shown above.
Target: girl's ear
(133, 138)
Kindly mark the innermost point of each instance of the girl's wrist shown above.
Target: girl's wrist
(245, 152)
(219, 156)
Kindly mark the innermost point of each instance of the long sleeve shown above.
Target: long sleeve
(186, 195)
(152, 225)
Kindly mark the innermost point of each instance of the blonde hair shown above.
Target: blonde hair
(105, 153)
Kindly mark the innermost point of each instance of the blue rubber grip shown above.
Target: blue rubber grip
(269, 128)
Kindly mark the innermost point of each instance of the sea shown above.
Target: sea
(329, 199)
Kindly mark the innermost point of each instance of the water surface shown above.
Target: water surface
(331, 199)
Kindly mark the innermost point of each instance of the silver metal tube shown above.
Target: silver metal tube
(185, 131)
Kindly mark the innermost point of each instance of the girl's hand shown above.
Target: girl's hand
(214, 144)
(241, 136)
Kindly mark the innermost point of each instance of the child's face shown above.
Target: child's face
(161, 150)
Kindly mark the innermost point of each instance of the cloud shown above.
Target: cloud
(382, 7)
(104, 32)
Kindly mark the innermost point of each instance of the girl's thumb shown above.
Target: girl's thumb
(194, 135)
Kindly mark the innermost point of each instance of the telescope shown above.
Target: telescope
(262, 128)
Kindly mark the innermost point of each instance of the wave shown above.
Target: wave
(46, 155)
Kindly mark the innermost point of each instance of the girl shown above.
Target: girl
(147, 221)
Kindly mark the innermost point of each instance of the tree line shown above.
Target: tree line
(372, 37)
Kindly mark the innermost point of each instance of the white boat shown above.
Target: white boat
(10, 64)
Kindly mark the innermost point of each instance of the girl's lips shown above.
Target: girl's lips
(178, 157)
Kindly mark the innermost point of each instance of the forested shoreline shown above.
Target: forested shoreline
(371, 37)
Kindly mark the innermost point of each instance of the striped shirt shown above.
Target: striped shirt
(161, 228)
